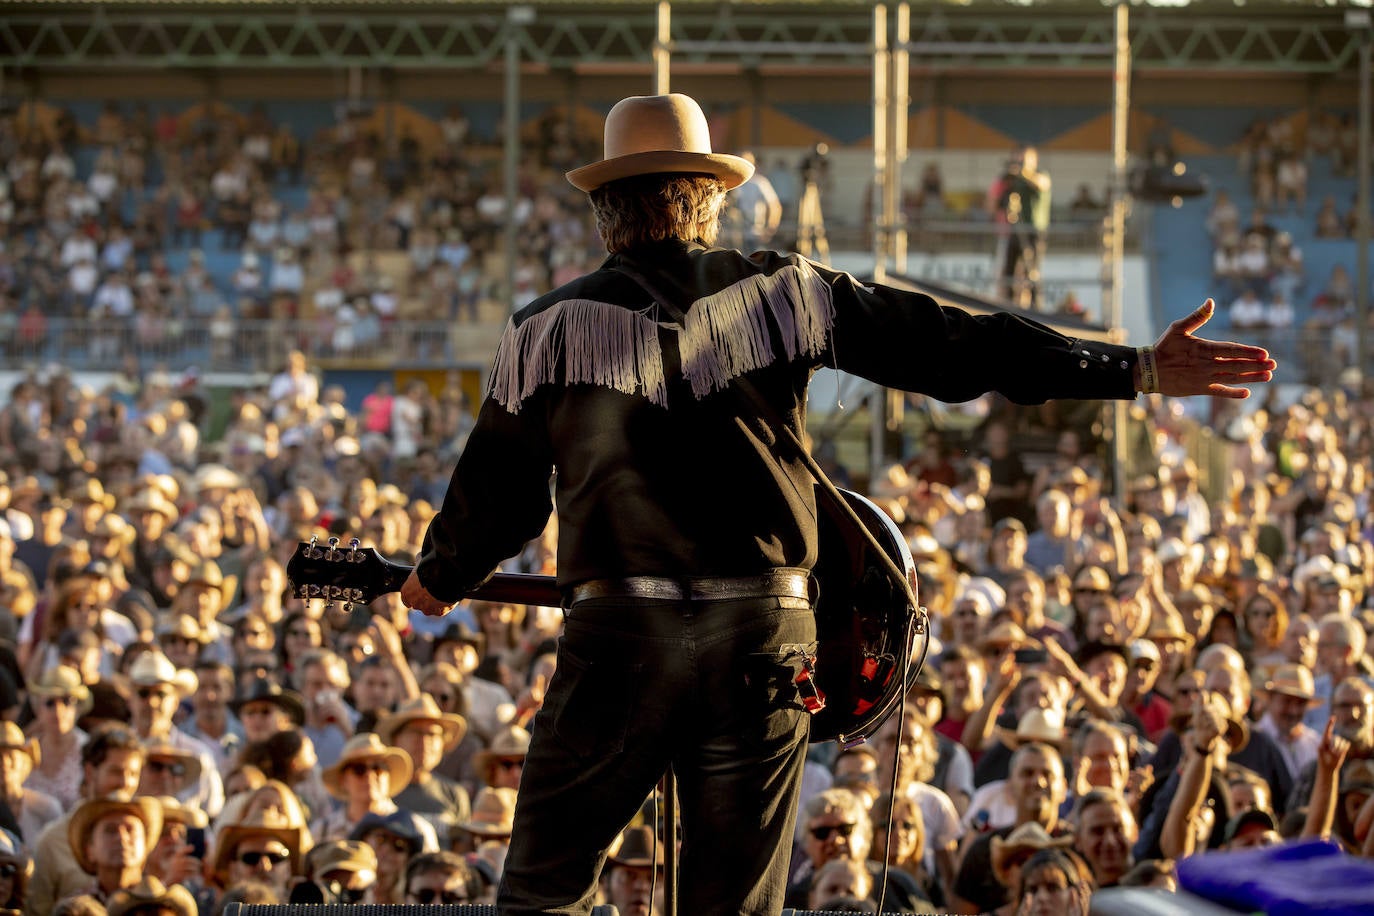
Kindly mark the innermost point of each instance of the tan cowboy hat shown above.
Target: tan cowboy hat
(655, 134)
(1045, 726)
(1293, 681)
(229, 838)
(12, 739)
(423, 709)
(493, 813)
(90, 812)
(1029, 838)
(151, 500)
(114, 527)
(208, 574)
(165, 752)
(91, 491)
(182, 626)
(153, 668)
(637, 847)
(174, 812)
(1168, 628)
(150, 892)
(510, 743)
(62, 681)
(215, 477)
(365, 747)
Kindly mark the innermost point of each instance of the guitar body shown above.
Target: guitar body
(866, 624)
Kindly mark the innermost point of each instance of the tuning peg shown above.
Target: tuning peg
(329, 607)
(348, 607)
(313, 551)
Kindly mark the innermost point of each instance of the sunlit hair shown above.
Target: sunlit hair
(651, 208)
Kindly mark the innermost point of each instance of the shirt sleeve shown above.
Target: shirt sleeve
(908, 340)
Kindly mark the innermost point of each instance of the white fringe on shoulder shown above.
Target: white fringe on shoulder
(727, 334)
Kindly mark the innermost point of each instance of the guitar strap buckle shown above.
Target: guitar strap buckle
(810, 695)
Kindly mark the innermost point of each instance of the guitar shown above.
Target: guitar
(866, 625)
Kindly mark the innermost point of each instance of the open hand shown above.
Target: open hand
(1189, 365)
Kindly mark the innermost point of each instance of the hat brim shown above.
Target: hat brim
(455, 727)
(1311, 699)
(397, 763)
(732, 170)
(231, 836)
(1012, 740)
(84, 700)
(287, 701)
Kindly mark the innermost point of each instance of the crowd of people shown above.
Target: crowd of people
(1259, 268)
(1115, 685)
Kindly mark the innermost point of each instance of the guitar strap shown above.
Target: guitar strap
(835, 502)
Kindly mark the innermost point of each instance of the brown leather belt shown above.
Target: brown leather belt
(781, 583)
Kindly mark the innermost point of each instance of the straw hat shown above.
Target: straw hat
(1293, 681)
(361, 749)
(150, 892)
(1028, 838)
(215, 477)
(154, 668)
(510, 743)
(637, 848)
(423, 709)
(90, 812)
(493, 813)
(90, 491)
(655, 134)
(151, 500)
(229, 838)
(1045, 726)
(1168, 628)
(164, 752)
(12, 739)
(62, 681)
(182, 626)
(208, 574)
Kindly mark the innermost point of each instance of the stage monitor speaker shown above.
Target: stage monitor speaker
(374, 909)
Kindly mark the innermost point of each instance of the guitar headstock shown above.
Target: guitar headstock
(352, 574)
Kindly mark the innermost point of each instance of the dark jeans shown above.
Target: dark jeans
(704, 686)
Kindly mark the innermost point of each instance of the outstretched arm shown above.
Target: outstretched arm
(1187, 365)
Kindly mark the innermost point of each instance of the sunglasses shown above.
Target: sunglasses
(510, 764)
(163, 766)
(428, 896)
(362, 769)
(54, 702)
(825, 832)
(349, 895)
(254, 859)
(147, 693)
(8, 870)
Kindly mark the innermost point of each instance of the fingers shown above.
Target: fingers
(1196, 319)
(1329, 732)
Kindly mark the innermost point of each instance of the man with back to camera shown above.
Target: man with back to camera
(685, 532)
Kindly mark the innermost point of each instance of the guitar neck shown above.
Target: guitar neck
(512, 588)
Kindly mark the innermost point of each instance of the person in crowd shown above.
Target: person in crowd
(259, 848)
(111, 764)
(633, 881)
(394, 840)
(426, 734)
(111, 837)
(30, 809)
(1054, 882)
(440, 878)
(159, 687)
(16, 867)
(1104, 831)
(365, 779)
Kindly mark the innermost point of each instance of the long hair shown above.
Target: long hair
(651, 208)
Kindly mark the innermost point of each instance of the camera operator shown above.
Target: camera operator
(1019, 202)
